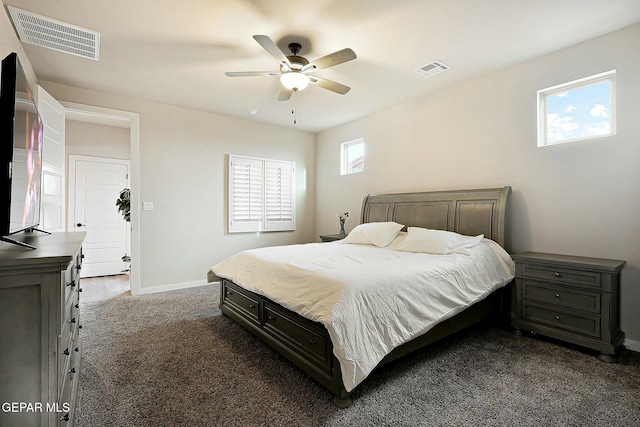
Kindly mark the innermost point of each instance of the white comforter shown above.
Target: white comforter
(370, 299)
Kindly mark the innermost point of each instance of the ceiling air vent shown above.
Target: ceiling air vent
(46, 32)
(435, 68)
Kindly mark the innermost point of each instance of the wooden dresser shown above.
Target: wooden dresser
(570, 298)
(39, 325)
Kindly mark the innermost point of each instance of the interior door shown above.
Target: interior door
(53, 203)
(95, 184)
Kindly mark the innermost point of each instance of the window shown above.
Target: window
(578, 110)
(352, 157)
(261, 195)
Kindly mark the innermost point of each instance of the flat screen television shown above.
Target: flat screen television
(21, 152)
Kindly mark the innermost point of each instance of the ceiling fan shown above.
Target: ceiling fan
(295, 70)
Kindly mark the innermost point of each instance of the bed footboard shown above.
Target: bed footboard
(304, 343)
(307, 344)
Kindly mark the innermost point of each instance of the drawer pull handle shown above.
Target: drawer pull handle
(66, 351)
(72, 370)
(557, 274)
(312, 342)
(72, 283)
(77, 349)
(77, 306)
(229, 293)
(65, 417)
(556, 317)
(79, 326)
(271, 318)
(557, 295)
(79, 289)
(72, 320)
(251, 306)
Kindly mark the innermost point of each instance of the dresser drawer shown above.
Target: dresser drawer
(67, 403)
(69, 334)
(69, 283)
(590, 279)
(561, 296)
(241, 300)
(65, 352)
(74, 363)
(558, 319)
(308, 338)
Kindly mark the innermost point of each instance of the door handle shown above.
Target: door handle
(81, 225)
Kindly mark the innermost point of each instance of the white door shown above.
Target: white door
(94, 186)
(52, 206)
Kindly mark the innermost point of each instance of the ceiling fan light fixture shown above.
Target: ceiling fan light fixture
(294, 80)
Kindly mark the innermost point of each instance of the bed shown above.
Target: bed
(299, 299)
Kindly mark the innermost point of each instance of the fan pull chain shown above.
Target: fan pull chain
(293, 113)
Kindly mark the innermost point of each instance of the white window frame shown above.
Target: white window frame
(576, 84)
(262, 195)
(345, 167)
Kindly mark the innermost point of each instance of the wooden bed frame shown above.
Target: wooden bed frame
(307, 343)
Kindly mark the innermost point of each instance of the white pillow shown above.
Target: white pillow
(374, 233)
(438, 242)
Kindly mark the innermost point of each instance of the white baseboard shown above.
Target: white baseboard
(632, 345)
(171, 287)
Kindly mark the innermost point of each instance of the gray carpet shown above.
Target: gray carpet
(173, 359)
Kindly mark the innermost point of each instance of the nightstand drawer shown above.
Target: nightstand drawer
(561, 296)
(562, 275)
(587, 325)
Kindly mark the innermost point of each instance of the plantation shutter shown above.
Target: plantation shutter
(279, 192)
(246, 194)
(261, 195)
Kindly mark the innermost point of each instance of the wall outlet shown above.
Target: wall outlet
(147, 206)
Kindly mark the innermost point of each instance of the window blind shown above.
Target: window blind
(261, 195)
(279, 195)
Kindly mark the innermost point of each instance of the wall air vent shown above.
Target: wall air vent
(51, 34)
(435, 68)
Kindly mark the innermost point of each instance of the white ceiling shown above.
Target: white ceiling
(176, 52)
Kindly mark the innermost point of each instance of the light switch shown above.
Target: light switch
(147, 206)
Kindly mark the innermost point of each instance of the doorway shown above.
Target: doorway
(94, 186)
(131, 121)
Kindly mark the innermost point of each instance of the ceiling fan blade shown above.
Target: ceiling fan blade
(251, 73)
(330, 60)
(285, 94)
(273, 49)
(329, 84)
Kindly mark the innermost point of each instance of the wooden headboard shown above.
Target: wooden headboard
(469, 212)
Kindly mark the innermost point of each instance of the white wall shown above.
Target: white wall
(183, 172)
(92, 139)
(579, 198)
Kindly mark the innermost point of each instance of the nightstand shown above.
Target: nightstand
(331, 237)
(569, 298)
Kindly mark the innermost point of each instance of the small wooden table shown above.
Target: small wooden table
(570, 298)
(331, 237)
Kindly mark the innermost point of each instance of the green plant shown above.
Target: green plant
(124, 204)
(124, 207)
